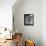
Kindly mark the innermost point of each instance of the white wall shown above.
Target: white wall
(29, 7)
(6, 13)
(43, 22)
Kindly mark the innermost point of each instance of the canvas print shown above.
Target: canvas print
(28, 19)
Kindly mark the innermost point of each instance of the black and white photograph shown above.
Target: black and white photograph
(28, 19)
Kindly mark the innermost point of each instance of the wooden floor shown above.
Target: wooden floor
(9, 43)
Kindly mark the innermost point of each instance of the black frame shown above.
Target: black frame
(28, 19)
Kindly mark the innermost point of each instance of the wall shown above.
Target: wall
(29, 32)
(43, 22)
(6, 13)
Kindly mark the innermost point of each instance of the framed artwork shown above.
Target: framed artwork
(28, 19)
